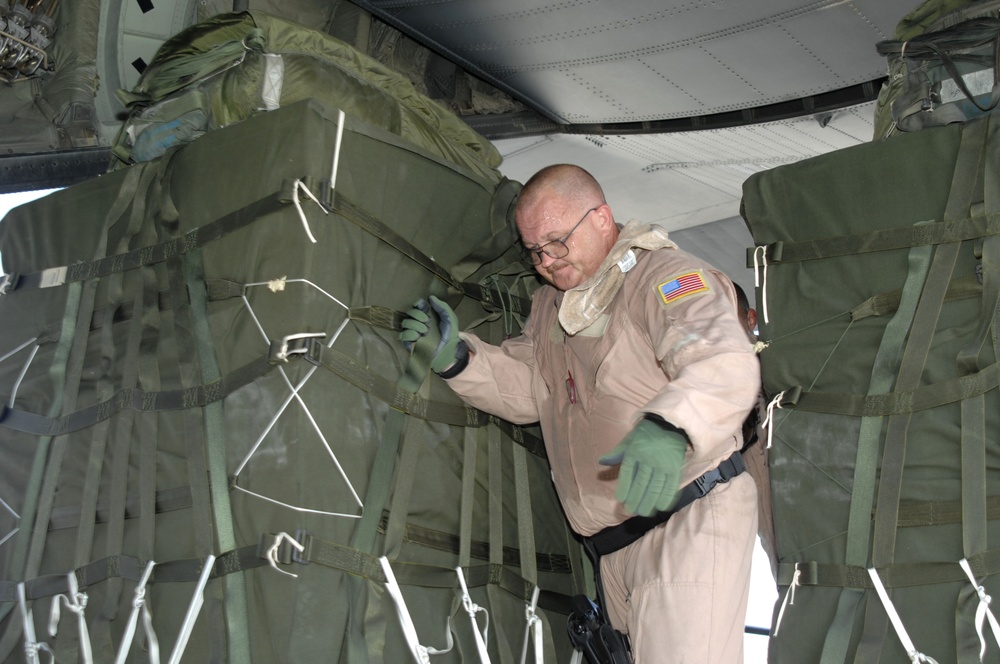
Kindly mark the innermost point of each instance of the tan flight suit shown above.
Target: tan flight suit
(680, 591)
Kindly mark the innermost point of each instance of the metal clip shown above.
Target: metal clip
(293, 344)
(272, 554)
(9, 282)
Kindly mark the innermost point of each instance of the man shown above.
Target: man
(639, 373)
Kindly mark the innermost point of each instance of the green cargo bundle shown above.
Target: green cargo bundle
(213, 443)
(878, 293)
(235, 65)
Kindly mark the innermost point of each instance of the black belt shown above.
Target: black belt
(617, 537)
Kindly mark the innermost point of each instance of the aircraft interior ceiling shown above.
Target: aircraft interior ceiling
(671, 104)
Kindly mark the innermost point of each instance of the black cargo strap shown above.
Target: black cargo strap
(368, 222)
(936, 232)
(613, 538)
(136, 399)
(898, 575)
(157, 253)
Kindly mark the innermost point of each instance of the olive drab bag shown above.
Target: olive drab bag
(215, 447)
(878, 291)
(942, 66)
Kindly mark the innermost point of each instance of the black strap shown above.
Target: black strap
(613, 538)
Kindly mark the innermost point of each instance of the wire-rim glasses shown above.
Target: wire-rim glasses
(555, 248)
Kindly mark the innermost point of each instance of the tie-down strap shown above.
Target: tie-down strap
(898, 575)
(281, 549)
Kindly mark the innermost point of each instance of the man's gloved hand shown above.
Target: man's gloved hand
(452, 354)
(651, 459)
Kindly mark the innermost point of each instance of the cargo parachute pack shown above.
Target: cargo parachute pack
(215, 447)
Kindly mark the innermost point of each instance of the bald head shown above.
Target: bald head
(565, 181)
(564, 205)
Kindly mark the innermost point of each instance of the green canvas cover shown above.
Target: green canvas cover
(226, 69)
(878, 291)
(206, 388)
(941, 66)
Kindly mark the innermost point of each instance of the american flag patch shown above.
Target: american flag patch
(682, 286)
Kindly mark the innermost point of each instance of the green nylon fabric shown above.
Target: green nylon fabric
(300, 439)
(315, 65)
(912, 464)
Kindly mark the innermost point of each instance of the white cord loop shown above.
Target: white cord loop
(193, 610)
(789, 597)
(533, 630)
(768, 422)
(982, 611)
(897, 623)
(31, 645)
(75, 602)
(298, 206)
(472, 609)
(420, 653)
(139, 605)
(756, 276)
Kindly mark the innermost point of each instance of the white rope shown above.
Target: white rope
(756, 276)
(577, 657)
(336, 150)
(75, 602)
(789, 597)
(421, 653)
(192, 613)
(31, 644)
(472, 609)
(768, 422)
(24, 370)
(982, 611)
(533, 630)
(298, 206)
(897, 624)
(139, 605)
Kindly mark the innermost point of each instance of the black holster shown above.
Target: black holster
(594, 636)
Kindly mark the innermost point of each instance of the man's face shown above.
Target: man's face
(587, 243)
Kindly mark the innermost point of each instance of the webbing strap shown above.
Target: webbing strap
(495, 456)
(911, 368)
(884, 370)
(66, 370)
(890, 484)
(160, 252)
(379, 485)
(895, 403)
(525, 516)
(236, 609)
(923, 233)
(368, 222)
(897, 575)
(413, 444)
(974, 410)
(470, 460)
(139, 400)
(886, 303)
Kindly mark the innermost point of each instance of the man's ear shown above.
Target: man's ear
(607, 219)
(751, 320)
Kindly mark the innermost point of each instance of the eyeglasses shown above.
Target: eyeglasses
(555, 248)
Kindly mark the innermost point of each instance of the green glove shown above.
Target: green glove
(451, 354)
(651, 459)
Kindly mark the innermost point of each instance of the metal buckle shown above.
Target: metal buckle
(283, 548)
(295, 344)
